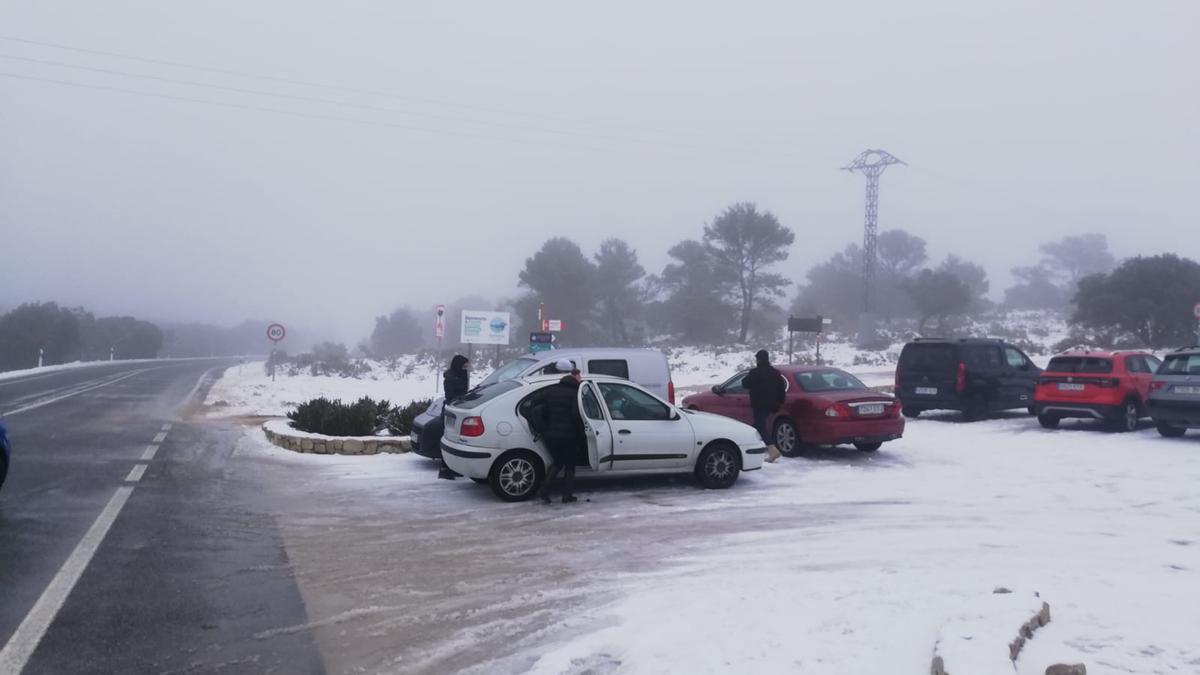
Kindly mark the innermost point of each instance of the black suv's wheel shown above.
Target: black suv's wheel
(1165, 429)
(869, 447)
(1049, 421)
(1126, 417)
(718, 466)
(516, 476)
(787, 439)
(914, 413)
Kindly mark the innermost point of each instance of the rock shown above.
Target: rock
(1064, 669)
(938, 667)
(319, 447)
(306, 445)
(371, 448)
(353, 446)
(1001, 589)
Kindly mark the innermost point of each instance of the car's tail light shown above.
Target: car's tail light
(1158, 385)
(671, 392)
(960, 381)
(471, 427)
(838, 410)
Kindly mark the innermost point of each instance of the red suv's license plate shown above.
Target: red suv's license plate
(1069, 386)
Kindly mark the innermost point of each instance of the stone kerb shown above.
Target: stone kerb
(280, 433)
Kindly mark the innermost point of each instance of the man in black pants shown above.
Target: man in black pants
(767, 393)
(563, 430)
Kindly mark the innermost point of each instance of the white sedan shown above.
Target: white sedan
(628, 429)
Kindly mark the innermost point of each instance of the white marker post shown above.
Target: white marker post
(1196, 314)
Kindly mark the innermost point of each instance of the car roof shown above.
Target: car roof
(555, 377)
(586, 351)
(800, 368)
(1100, 353)
(955, 341)
(1194, 349)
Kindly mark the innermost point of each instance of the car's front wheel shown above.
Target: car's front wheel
(1049, 421)
(787, 439)
(516, 476)
(1165, 429)
(718, 466)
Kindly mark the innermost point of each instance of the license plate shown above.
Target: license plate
(926, 391)
(1069, 386)
(1186, 390)
(874, 409)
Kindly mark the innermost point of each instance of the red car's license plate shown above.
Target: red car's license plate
(873, 409)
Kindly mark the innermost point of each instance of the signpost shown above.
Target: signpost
(275, 333)
(814, 324)
(541, 342)
(552, 325)
(1196, 313)
(486, 328)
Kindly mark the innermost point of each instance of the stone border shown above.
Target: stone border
(280, 433)
(1040, 616)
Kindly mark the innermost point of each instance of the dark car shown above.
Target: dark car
(972, 375)
(1175, 393)
(5, 451)
(823, 406)
(426, 436)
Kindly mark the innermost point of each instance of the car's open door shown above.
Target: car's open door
(597, 428)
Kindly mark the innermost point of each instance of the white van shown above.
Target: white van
(646, 367)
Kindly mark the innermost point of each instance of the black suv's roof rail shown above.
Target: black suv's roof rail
(1184, 349)
(961, 339)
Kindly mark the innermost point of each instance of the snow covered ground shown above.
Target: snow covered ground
(837, 562)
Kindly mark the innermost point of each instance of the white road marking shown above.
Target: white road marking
(166, 427)
(135, 474)
(162, 435)
(24, 641)
(192, 393)
(76, 392)
(151, 450)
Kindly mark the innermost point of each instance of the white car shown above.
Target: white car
(629, 431)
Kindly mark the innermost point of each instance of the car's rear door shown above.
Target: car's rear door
(1140, 373)
(987, 376)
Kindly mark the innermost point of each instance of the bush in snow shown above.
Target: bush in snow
(334, 418)
(400, 420)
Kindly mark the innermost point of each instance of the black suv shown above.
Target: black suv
(974, 375)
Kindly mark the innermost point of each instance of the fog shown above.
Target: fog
(504, 124)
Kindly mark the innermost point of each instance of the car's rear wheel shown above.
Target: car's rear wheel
(913, 413)
(718, 466)
(1049, 421)
(869, 447)
(787, 439)
(1126, 418)
(1165, 429)
(516, 476)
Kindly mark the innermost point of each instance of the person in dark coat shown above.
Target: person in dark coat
(767, 392)
(456, 382)
(562, 430)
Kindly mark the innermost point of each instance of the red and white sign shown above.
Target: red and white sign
(1196, 310)
(276, 332)
(552, 325)
(439, 326)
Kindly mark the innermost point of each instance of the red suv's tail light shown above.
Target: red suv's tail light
(471, 427)
(671, 392)
(960, 382)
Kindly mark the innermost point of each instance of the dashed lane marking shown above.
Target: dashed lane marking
(166, 427)
(151, 450)
(135, 474)
(162, 435)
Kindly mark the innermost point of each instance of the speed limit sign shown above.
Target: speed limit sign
(276, 332)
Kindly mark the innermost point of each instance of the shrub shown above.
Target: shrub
(334, 418)
(400, 420)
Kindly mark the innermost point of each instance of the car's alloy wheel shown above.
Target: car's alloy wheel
(786, 438)
(515, 477)
(1129, 416)
(718, 466)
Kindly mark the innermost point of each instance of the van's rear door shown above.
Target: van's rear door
(927, 370)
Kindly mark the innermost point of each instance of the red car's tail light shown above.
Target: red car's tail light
(960, 382)
(840, 410)
(471, 427)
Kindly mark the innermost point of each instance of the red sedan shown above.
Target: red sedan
(824, 406)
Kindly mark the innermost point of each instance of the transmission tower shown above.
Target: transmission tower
(871, 163)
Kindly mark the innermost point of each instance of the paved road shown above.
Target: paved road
(192, 567)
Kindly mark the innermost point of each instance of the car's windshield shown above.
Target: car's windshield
(1080, 364)
(1180, 364)
(828, 380)
(508, 371)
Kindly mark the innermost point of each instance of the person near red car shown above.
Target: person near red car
(1110, 386)
(768, 390)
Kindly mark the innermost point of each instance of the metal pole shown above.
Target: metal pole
(818, 349)
(791, 340)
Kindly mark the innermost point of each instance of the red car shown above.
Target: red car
(1109, 386)
(824, 406)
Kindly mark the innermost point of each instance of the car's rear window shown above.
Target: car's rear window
(508, 371)
(1180, 364)
(927, 357)
(828, 380)
(1080, 364)
(480, 395)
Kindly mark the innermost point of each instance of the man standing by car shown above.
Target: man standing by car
(767, 393)
(456, 382)
(562, 429)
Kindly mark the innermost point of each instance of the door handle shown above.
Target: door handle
(624, 432)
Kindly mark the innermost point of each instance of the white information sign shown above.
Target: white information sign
(485, 328)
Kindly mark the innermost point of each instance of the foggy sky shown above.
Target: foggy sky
(513, 122)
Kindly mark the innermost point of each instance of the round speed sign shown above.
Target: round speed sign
(275, 332)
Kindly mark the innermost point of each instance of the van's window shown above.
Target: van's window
(1181, 364)
(591, 407)
(480, 395)
(1079, 364)
(927, 357)
(828, 380)
(1015, 358)
(627, 403)
(615, 367)
(982, 357)
(508, 371)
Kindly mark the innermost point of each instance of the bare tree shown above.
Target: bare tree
(748, 242)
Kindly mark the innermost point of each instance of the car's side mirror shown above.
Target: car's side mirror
(718, 390)
(675, 416)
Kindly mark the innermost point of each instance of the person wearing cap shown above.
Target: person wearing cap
(563, 430)
(767, 393)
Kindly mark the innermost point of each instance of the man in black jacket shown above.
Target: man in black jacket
(767, 392)
(562, 430)
(456, 382)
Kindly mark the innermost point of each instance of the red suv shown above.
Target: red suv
(1109, 386)
(824, 406)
